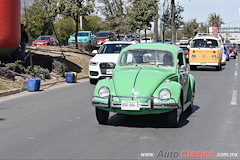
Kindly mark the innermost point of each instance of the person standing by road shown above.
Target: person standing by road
(24, 41)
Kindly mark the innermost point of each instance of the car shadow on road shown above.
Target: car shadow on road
(207, 69)
(184, 118)
(148, 121)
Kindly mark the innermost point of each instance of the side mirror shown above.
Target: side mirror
(183, 67)
(94, 52)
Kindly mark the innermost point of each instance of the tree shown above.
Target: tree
(94, 24)
(166, 23)
(176, 19)
(39, 21)
(64, 27)
(113, 10)
(172, 20)
(190, 28)
(155, 30)
(75, 9)
(141, 13)
(215, 20)
(202, 27)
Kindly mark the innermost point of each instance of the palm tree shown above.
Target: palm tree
(215, 20)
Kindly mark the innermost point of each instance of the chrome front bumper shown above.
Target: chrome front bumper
(149, 105)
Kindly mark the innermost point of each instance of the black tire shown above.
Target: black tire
(235, 57)
(173, 117)
(93, 81)
(102, 116)
(219, 68)
(193, 67)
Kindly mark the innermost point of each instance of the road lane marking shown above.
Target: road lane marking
(232, 145)
(235, 73)
(234, 98)
(236, 64)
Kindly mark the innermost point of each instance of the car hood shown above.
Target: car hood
(105, 58)
(140, 82)
(101, 38)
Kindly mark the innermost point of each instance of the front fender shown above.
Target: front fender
(105, 82)
(174, 87)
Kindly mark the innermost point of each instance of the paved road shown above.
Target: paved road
(60, 123)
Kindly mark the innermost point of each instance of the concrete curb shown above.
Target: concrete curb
(10, 92)
(18, 90)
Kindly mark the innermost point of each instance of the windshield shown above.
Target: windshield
(83, 34)
(43, 38)
(103, 34)
(147, 57)
(112, 48)
(131, 36)
(204, 43)
(146, 39)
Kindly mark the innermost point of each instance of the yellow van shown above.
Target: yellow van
(206, 50)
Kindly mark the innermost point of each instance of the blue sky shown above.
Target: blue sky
(200, 9)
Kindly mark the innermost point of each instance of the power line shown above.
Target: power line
(232, 22)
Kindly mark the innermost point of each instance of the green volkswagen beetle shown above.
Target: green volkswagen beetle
(149, 78)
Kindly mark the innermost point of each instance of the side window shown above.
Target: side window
(180, 60)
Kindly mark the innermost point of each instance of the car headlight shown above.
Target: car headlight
(164, 94)
(103, 92)
(93, 63)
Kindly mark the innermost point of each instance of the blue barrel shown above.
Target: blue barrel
(69, 77)
(33, 84)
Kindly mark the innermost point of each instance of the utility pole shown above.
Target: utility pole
(173, 22)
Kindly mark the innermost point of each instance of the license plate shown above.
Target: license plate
(109, 71)
(130, 105)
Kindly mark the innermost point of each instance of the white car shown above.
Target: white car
(103, 63)
(146, 40)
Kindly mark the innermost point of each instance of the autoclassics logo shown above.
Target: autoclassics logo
(189, 154)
